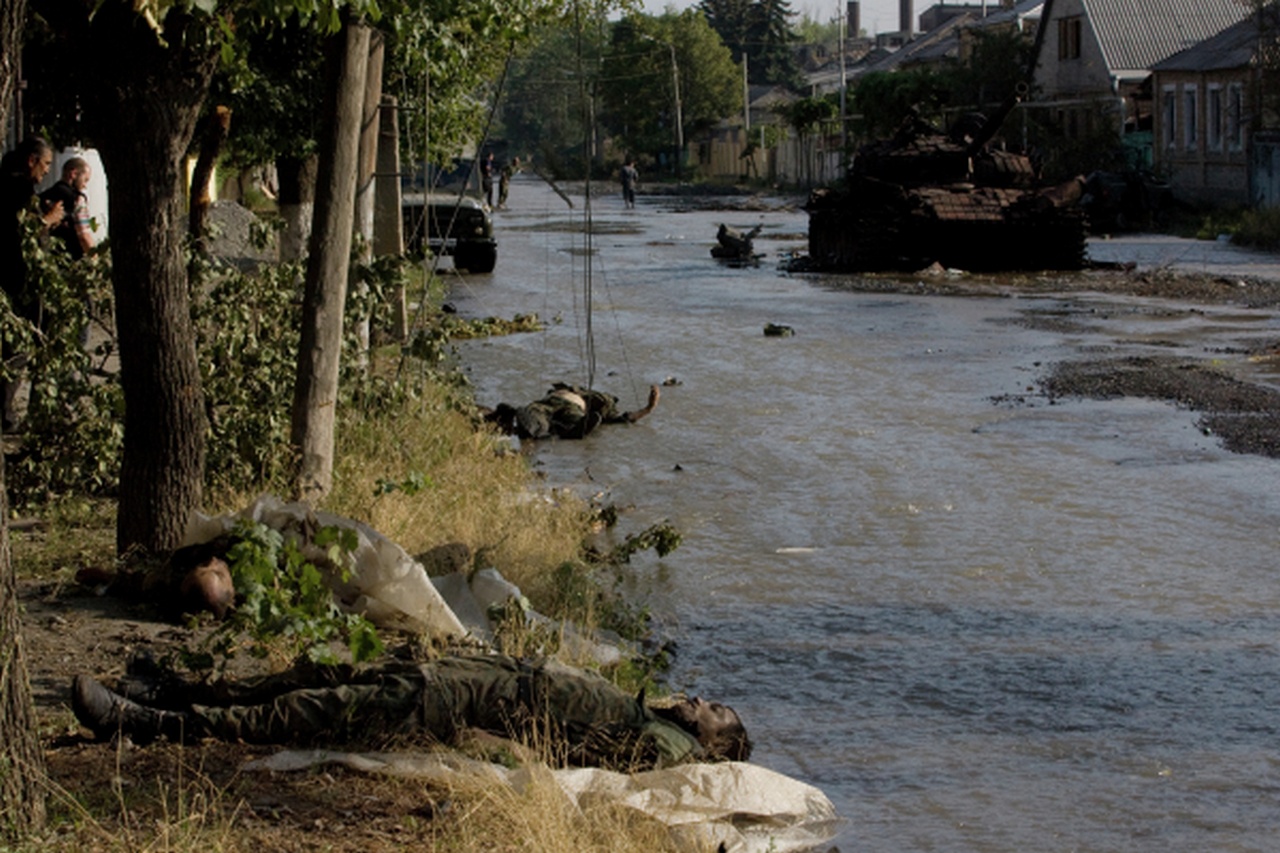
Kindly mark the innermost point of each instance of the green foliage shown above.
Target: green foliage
(807, 115)
(996, 65)
(285, 601)
(247, 343)
(760, 29)
(663, 538)
(638, 85)
(1259, 228)
(446, 61)
(882, 99)
(460, 328)
(410, 485)
(72, 433)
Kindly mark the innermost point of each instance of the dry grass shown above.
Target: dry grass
(168, 798)
(174, 799)
(472, 490)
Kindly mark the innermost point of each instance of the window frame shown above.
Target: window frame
(1190, 117)
(1169, 116)
(1235, 116)
(1214, 118)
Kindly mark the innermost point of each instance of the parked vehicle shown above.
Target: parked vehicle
(450, 224)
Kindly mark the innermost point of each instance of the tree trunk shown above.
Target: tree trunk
(365, 184)
(13, 17)
(388, 231)
(143, 115)
(328, 264)
(22, 769)
(217, 128)
(297, 176)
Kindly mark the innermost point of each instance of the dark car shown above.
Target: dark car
(450, 224)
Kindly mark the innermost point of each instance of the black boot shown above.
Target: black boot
(108, 713)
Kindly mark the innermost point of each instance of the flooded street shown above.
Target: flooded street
(977, 620)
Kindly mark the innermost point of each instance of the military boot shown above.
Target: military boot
(108, 713)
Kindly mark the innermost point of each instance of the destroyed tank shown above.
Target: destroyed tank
(925, 197)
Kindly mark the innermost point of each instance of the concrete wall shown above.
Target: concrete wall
(1212, 168)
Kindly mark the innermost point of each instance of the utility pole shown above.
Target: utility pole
(675, 84)
(844, 83)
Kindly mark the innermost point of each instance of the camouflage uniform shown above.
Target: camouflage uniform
(579, 717)
(567, 412)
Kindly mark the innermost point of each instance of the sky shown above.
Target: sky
(878, 16)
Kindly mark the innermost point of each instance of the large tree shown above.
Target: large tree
(760, 31)
(639, 81)
(142, 114)
(22, 789)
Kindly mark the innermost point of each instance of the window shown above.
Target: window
(1235, 116)
(1069, 30)
(1190, 129)
(1169, 116)
(1213, 117)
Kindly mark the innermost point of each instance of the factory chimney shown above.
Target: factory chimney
(904, 19)
(854, 19)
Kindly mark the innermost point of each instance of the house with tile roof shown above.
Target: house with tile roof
(1096, 57)
(1210, 117)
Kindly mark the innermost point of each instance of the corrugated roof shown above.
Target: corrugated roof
(932, 44)
(1234, 47)
(1137, 34)
(1022, 9)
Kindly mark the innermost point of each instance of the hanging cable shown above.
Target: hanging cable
(429, 270)
(588, 228)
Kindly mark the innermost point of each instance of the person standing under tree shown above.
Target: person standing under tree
(74, 230)
(20, 171)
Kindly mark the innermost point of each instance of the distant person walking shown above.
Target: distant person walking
(486, 178)
(74, 230)
(504, 181)
(630, 177)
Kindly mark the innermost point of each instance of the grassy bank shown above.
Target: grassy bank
(414, 463)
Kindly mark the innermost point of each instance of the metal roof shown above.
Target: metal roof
(1136, 34)
(1234, 47)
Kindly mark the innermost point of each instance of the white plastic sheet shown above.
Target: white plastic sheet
(386, 585)
(748, 808)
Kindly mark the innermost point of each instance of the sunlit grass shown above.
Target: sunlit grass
(427, 476)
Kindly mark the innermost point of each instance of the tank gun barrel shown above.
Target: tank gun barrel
(992, 125)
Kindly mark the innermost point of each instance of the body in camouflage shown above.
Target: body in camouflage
(578, 717)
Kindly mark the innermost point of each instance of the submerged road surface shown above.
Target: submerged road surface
(977, 620)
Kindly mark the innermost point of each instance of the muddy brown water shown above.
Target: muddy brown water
(979, 620)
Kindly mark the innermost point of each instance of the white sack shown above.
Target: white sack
(749, 808)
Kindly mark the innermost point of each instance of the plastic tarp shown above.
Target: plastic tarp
(745, 807)
(392, 589)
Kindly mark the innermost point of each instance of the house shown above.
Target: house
(1208, 98)
(1097, 55)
